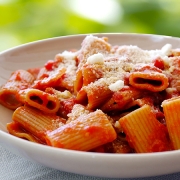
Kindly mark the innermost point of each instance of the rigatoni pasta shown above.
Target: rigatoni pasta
(86, 132)
(41, 100)
(19, 80)
(99, 98)
(148, 134)
(149, 81)
(171, 112)
(35, 122)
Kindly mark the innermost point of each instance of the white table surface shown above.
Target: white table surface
(13, 167)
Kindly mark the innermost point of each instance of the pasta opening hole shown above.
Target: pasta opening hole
(133, 108)
(148, 81)
(51, 105)
(36, 99)
(129, 110)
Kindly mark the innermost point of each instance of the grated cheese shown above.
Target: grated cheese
(95, 59)
(118, 85)
(68, 55)
(117, 125)
(134, 54)
(65, 94)
(163, 53)
(166, 49)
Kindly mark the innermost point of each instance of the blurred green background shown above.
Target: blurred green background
(23, 21)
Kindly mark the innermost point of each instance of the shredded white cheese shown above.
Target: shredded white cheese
(163, 53)
(118, 85)
(95, 59)
(166, 49)
(117, 125)
(134, 54)
(65, 94)
(68, 55)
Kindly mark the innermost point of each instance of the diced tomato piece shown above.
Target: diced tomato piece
(49, 65)
(159, 63)
(66, 107)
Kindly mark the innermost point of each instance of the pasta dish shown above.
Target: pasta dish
(99, 98)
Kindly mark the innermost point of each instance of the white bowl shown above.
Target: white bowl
(87, 163)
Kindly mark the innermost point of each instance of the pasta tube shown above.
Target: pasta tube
(120, 99)
(149, 81)
(95, 95)
(92, 45)
(42, 100)
(36, 122)
(15, 129)
(171, 111)
(78, 83)
(91, 73)
(144, 132)
(87, 132)
(19, 80)
(49, 79)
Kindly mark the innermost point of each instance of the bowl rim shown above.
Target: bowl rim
(84, 35)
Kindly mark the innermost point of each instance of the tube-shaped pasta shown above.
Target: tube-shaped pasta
(120, 99)
(19, 80)
(58, 73)
(144, 132)
(85, 133)
(96, 95)
(78, 83)
(47, 79)
(36, 122)
(92, 45)
(171, 111)
(44, 101)
(91, 73)
(149, 81)
(15, 129)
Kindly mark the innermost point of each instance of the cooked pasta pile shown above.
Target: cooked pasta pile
(99, 98)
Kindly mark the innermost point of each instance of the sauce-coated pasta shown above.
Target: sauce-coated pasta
(99, 98)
